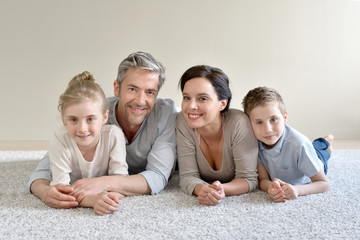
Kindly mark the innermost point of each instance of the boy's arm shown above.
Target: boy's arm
(271, 187)
(319, 184)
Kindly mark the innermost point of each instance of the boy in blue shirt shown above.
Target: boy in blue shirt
(289, 165)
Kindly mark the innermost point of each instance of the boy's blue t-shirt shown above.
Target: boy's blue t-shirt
(293, 159)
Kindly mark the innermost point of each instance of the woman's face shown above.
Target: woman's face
(200, 104)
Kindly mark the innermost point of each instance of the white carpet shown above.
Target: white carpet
(175, 215)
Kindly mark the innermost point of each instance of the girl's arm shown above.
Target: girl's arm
(103, 203)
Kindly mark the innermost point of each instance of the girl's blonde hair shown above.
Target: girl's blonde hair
(82, 88)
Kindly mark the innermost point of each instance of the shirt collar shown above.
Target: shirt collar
(277, 148)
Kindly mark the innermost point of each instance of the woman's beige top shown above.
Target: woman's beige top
(240, 152)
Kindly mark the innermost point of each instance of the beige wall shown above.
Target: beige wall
(308, 50)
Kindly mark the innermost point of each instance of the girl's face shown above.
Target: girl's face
(200, 104)
(268, 123)
(84, 121)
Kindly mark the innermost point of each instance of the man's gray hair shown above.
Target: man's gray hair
(141, 60)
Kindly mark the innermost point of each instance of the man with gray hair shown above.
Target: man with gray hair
(148, 123)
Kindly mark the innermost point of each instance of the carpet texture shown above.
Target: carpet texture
(176, 215)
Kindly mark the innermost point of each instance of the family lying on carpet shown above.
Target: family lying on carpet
(220, 151)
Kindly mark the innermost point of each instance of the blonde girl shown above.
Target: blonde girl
(85, 147)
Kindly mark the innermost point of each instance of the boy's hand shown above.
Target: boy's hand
(290, 191)
(276, 192)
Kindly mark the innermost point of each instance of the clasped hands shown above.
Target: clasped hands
(212, 194)
(280, 191)
(62, 196)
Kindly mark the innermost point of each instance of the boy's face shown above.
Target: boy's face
(268, 123)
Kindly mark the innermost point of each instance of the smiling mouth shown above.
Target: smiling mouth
(137, 110)
(269, 137)
(194, 116)
(83, 136)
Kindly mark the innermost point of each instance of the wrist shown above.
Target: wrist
(39, 188)
(197, 189)
(107, 183)
(88, 201)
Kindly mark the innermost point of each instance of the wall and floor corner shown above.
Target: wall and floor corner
(307, 50)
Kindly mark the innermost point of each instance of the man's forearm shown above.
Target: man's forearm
(128, 185)
(38, 186)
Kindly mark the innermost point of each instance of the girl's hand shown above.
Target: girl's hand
(107, 203)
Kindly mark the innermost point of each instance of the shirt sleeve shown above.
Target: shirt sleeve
(245, 151)
(117, 156)
(308, 161)
(42, 171)
(60, 161)
(161, 159)
(188, 167)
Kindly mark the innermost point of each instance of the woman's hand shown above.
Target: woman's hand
(212, 194)
(217, 196)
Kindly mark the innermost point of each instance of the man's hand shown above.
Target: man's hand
(88, 186)
(54, 196)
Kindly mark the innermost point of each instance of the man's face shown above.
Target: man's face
(137, 95)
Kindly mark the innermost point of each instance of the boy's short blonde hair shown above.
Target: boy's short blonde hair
(260, 96)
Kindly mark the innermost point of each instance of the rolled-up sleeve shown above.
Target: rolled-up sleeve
(186, 150)
(162, 156)
(42, 171)
(245, 151)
